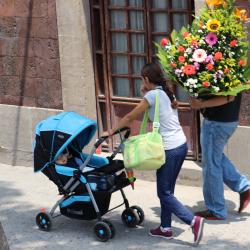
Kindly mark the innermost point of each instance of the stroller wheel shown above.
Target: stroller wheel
(44, 221)
(102, 231)
(112, 228)
(140, 213)
(130, 217)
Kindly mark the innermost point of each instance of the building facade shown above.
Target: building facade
(86, 56)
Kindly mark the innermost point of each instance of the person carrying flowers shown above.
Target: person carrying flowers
(209, 60)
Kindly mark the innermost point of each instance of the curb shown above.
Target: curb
(3, 240)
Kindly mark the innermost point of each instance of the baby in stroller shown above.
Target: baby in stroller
(85, 181)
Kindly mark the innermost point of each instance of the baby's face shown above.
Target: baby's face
(62, 159)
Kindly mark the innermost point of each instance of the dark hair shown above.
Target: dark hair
(155, 75)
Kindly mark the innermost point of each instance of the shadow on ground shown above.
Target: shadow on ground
(17, 213)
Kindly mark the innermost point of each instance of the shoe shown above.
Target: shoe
(244, 200)
(158, 233)
(197, 229)
(206, 214)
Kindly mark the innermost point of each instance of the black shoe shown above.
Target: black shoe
(244, 200)
(206, 214)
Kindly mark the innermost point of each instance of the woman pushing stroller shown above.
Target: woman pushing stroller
(175, 147)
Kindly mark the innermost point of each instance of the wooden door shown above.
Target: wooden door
(124, 32)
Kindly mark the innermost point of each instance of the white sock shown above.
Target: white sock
(165, 229)
(193, 221)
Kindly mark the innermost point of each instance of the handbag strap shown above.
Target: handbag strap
(156, 123)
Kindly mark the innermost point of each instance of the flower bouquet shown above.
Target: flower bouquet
(209, 57)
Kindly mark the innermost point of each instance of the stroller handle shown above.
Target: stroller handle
(103, 138)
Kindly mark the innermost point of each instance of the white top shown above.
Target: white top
(170, 129)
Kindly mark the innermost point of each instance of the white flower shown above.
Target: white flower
(195, 94)
(216, 89)
(199, 55)
(189, 50)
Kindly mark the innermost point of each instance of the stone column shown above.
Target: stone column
(77, 76)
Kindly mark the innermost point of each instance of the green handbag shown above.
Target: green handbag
(145, 151)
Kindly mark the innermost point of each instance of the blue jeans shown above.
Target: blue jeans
(217, 168)
(166, 179)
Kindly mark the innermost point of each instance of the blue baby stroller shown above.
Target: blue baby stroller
(87, 181)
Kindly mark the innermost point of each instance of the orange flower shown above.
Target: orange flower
(206, 84)
(181, 59)
(173, 65)
(248, 82)
(189, 70)
(210, 66)
(218, 56)
(241, 62)
(186, 34)
(241, 14)
(226, 70)
(212, 3)
(181, 49)
(194, 42)
(233, 43)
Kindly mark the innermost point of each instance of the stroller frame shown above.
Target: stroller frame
(69, 189)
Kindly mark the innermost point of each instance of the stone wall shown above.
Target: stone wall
(245, 107)
(29, 54)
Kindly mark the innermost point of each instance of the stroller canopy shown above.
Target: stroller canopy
(56, 133)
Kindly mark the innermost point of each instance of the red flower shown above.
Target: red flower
(241, 62)
(173, 65)
(181, 49)
(210, 66)
(218, 56)
(181, 59)
(233, 43)
(189, 70)
(248, 82)
(164, 42)
(206, 84)
(226, 70)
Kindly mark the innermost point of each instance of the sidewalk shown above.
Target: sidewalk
(23, 193)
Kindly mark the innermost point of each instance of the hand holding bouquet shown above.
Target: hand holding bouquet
(210, 57)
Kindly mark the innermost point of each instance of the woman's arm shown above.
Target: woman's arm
(213, 102)
(127, 119)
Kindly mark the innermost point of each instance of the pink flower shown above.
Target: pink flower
(211, 39)
(209, 59)
(199, 55)
(197, 65)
